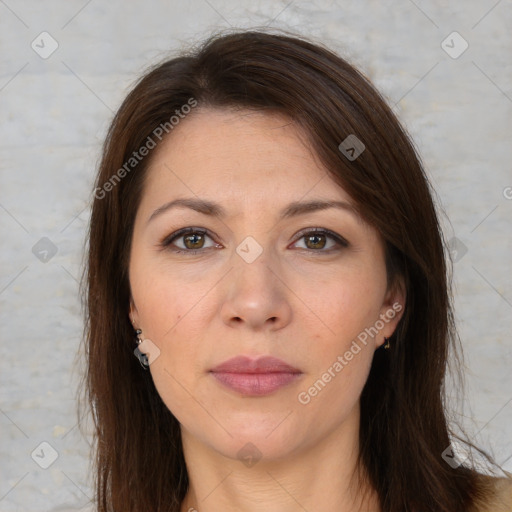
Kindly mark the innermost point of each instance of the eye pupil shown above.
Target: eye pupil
(195, 239)
(317, 245)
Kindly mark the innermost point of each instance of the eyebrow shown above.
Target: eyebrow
(216, 210)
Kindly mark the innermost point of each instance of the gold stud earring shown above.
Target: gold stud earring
(386, 343)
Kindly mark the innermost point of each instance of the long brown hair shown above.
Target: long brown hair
(139, 463)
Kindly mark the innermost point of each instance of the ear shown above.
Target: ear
(392, 310)
(133, 314)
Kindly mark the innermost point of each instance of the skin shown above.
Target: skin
(302, 300)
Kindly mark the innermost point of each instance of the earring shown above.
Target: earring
(143, 358)
(386, 343)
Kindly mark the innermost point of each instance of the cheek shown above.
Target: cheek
(173, 312)
(171, 318)
(339, 362)
(345, 305)
(168, 299)
(342, 351)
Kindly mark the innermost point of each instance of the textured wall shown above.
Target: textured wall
(55, 107)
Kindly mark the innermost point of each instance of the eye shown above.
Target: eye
(192, 241)
(316, 240)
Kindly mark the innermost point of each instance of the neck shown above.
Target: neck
(322, 476)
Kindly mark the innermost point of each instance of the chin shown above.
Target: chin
(251, 440)
(257, 448)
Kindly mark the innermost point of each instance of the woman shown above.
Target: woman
(268, 309)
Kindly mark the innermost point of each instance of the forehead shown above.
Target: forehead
(239, 156)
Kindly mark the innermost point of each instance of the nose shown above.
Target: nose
(256, 296)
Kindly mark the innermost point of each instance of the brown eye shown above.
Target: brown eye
(322, 241)
(188, 240)
(315, 241)
(194, 241)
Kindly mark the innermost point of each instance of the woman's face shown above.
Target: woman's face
(251, 279)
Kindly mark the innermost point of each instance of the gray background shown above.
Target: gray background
(55, 112)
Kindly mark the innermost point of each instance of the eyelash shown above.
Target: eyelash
(167, 241)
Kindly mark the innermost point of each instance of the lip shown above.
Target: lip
(265, 364)
(255, 377)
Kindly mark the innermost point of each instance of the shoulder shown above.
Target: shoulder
(502, 499)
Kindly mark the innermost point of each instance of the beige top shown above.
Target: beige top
(503, 500)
